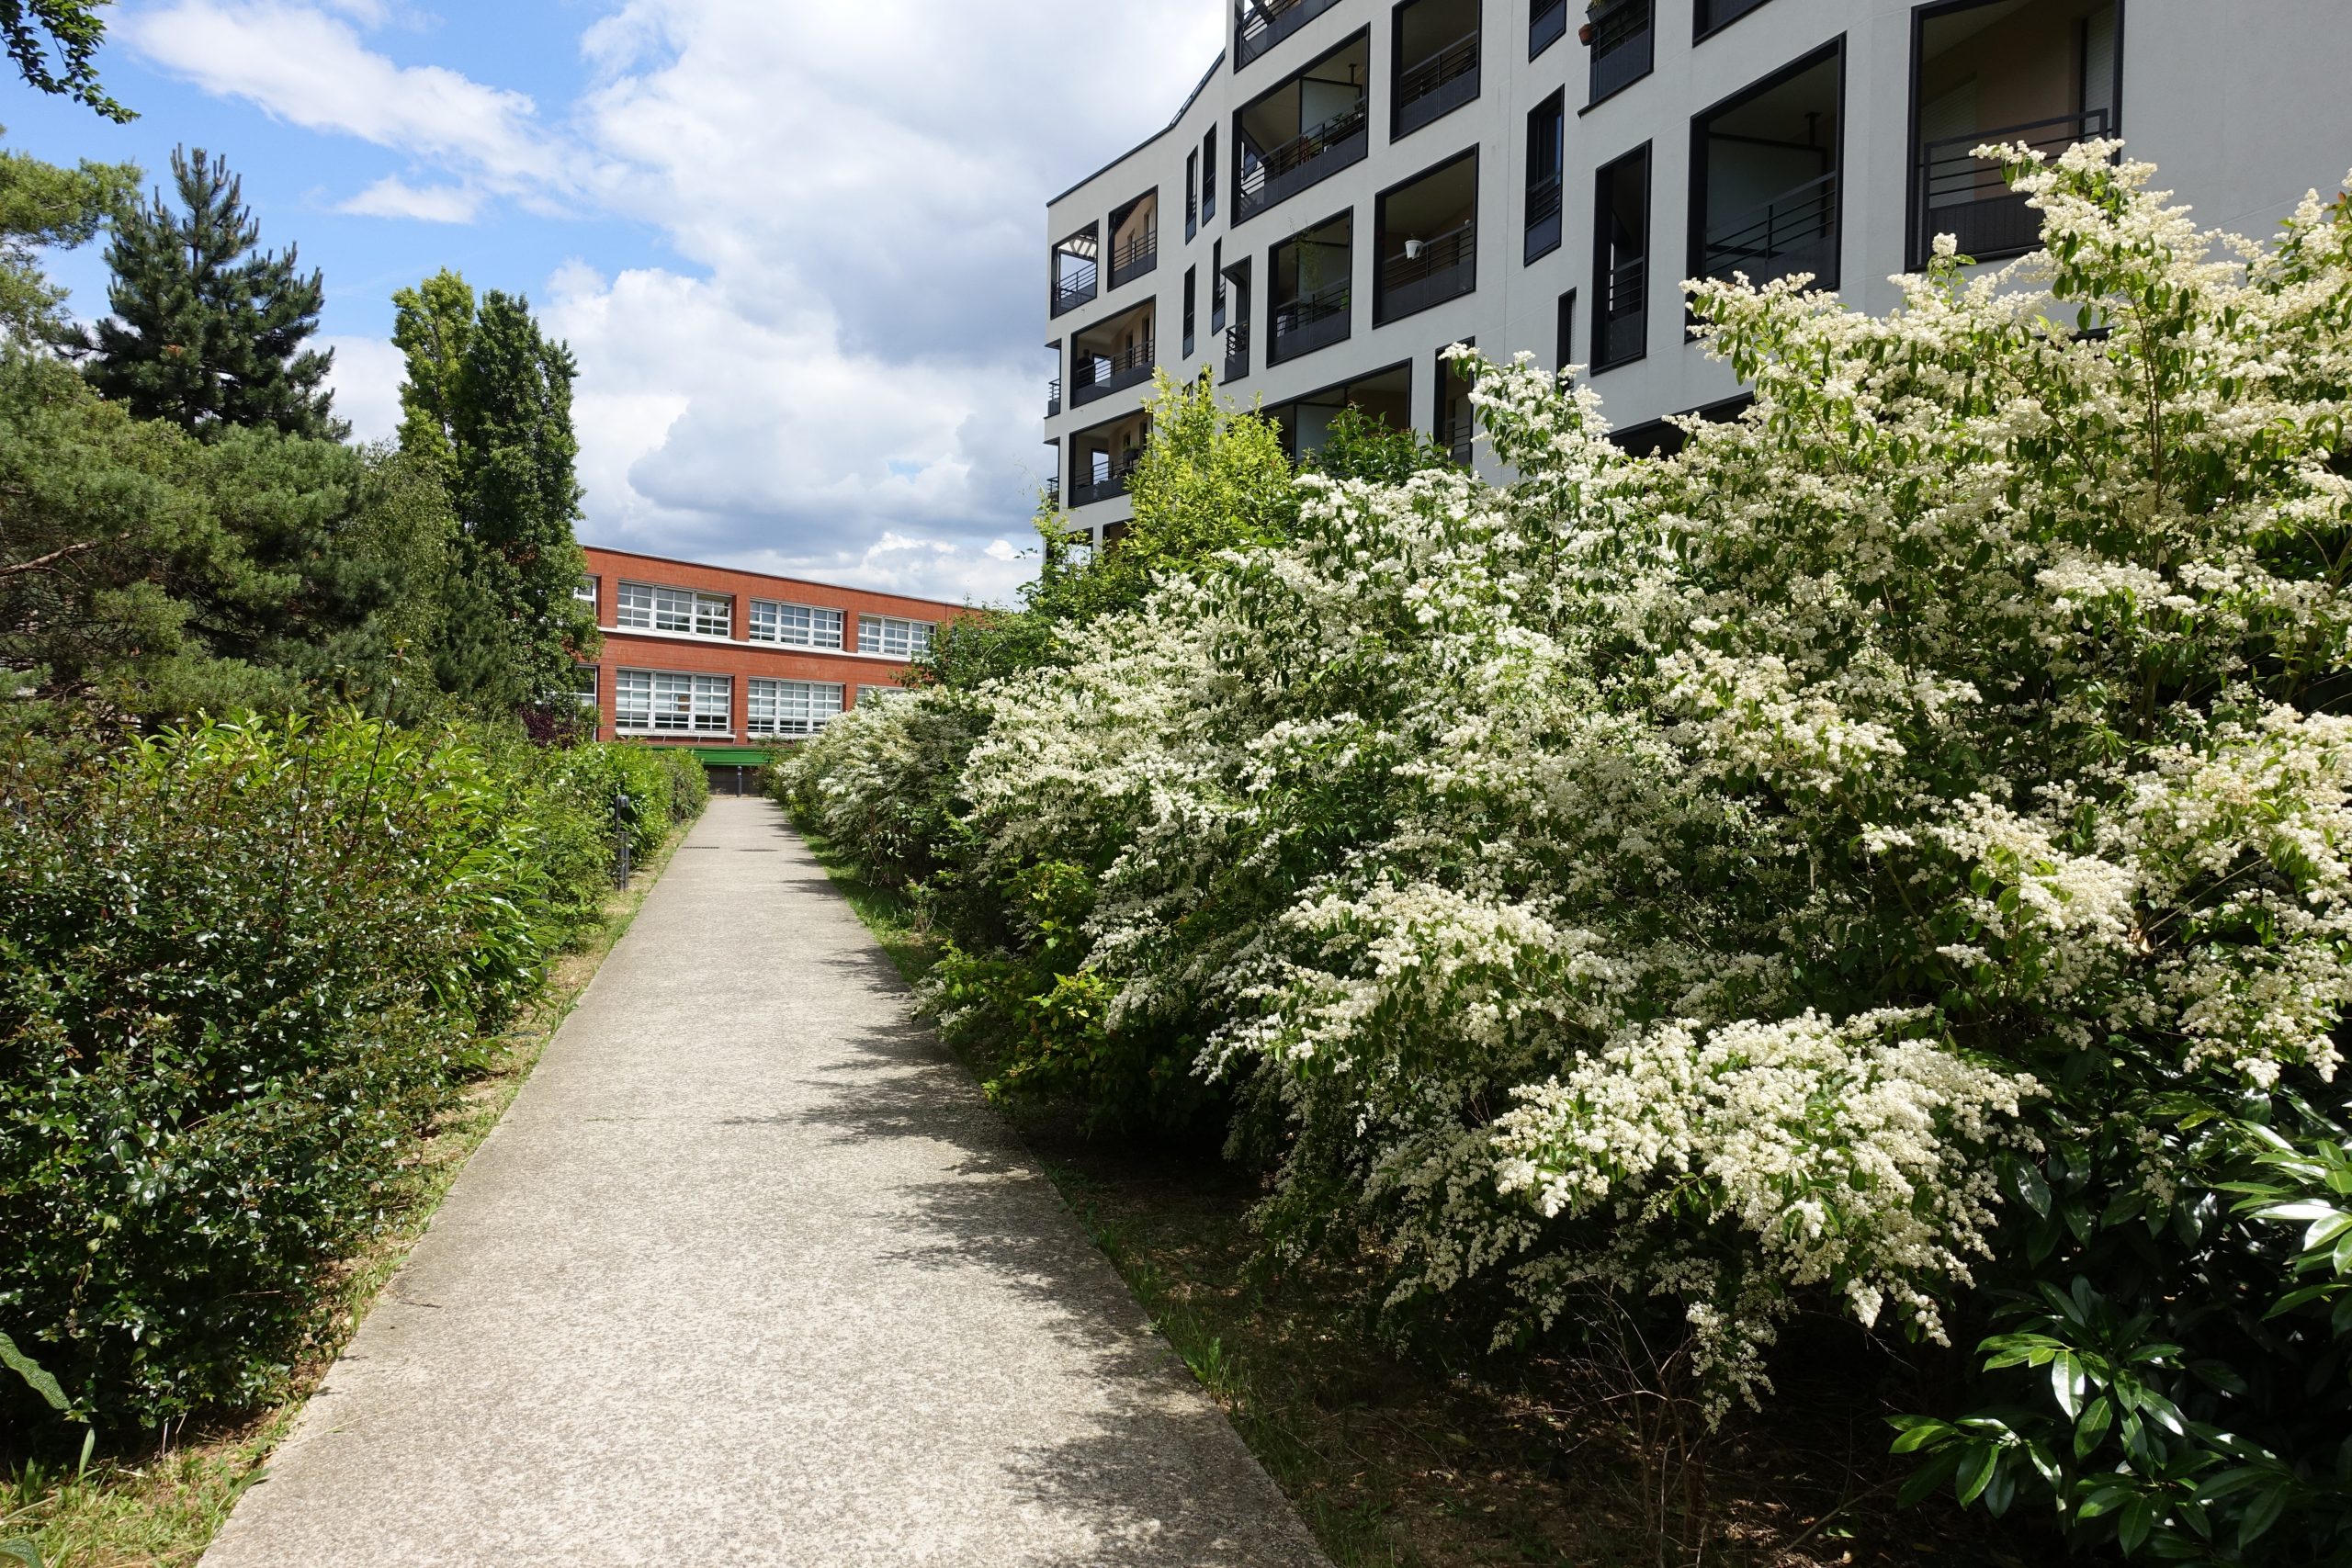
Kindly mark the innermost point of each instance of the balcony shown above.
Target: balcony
(1237, 350)
(1073, 289)
(1105, 486)
(1099, 376)
(1542, 217)
(1967, 198)
(1442, 76)
(1053, 397)
(1131, 258)
(1311, 156)
(1072, 269)
(1796, 231)
(1259, 25)
(1430, 273)
(1621, 37)
(1546, 20)
(1309, 323)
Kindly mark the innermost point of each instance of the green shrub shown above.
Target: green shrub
(240, 967)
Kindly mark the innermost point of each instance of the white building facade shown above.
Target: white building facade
(1357, 184)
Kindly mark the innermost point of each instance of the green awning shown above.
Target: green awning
(732, 756)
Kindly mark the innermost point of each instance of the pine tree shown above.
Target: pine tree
(48, 207)
(208, 332)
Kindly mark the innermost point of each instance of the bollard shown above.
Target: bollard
(620, 837)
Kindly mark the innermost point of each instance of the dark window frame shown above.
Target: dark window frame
(1695, 213)
(1443, 374)
(1273, 270)
(1701, 30)
(1362, 35)
(1190, 279)
(1398, 64)
(1380, 316)
(1647, 153)
(1192, 193)
(1564, 345)
(1208, 175)
(1557, 104)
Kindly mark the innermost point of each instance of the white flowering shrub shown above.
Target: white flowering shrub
(1872, 859)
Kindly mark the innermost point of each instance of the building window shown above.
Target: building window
(1426, 233)
(1434, 57)
(1216, 285)
(802, 626)
(1191, 194)
(891, 634)
(791, 708)
(586, 590)
(659, 702)
(1304, 132)
(1190, 279)
(876, 694)
(583, 684)
(1765, 177)
(1208, 175)
(1455, 420)
(644, 607)
(1311, 280)
(1546, 127)
(1621, 272)
(1566, 347)
(1620, 51)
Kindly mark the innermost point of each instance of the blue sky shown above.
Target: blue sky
(796, 247)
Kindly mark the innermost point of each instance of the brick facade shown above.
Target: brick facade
(735, 655)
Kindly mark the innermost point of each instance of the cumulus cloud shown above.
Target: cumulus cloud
(366, 379)
(845, 379)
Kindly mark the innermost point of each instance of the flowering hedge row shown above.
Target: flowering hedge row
(241, 967)
(1893, 856)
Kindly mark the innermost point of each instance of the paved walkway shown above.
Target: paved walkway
(751, 1275)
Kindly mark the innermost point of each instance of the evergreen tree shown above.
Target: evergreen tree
(43, 207)
(208, 332)
(487, 404)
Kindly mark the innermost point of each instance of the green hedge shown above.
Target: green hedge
(241, 967)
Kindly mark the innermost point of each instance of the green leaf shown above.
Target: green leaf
(1975, 1470)
(1918, 1432)
(2066, 1382)
(2091, 1430)
(2132, 1527)
(39, 1382)
(2257, 1521)
(24, 1552)
(1929, 1476)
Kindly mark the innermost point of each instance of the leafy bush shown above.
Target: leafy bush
(1894, 857)
(240, 965)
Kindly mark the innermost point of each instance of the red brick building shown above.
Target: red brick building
(732, 662)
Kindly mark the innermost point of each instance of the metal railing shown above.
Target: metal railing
(1134, 256)
(1103, 487)
(1543, 217)
(1546, 20)
(1438, 85)
(1623, 329)
(1309, 323)
(1099, 375)
(1966, 197)
(1795, 232)
(1076, 288)
(1313, 155)
(1259, 25)
(1054, 492)
(1237, 350)
(1621, 37)
(1053, 397)
(1439, 269)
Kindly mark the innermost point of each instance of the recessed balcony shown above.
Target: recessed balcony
(1546, 21)
(1304, 132)
(1428, 241)
(1134, 239)
(1259, 25)
(1437, 61)
(1074, 271)
(1622, 38)
(1103, 459)
(1621, 271)
(1767, 178)
(1112, 357)
(1053, 397)
(1311, 278)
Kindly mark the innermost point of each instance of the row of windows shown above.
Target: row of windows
(641, 606)
(661, 701)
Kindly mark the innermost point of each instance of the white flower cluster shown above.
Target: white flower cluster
(1667, 874)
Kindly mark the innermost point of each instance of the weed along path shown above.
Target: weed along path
(750, 1274)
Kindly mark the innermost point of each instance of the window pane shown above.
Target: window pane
(714, 615)
(586, 590)
(584, 683)
(674, 610)
(633, 699)
(791, 708)
(636, 607)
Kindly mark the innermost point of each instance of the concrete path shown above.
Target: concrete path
(750, 1274)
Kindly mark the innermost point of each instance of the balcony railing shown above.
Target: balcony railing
(1622, 333)
(1309, 323)
(1621, 37)
(1438, 85)
(1312, 155)
(1546, 20)
(1053, 397)
(1074, 288)
(1237, 350)
(1098, 376)
(1438, 270)
(1965, 195)
(1112, 482)
(1543, 217)
(1054, 492)
(1134, 256)
(1259, 25)
(1795, 232)
(1455, 439)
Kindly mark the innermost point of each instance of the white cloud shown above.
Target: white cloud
(392, 196)
(367, 383)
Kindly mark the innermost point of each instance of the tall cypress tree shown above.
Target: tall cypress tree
(432, 326)
(207, 331)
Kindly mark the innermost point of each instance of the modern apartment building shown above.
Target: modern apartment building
(1357, 184)
(732, 662)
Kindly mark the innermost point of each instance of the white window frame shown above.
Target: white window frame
(673, 702)
(674, 612)
(586, 691)
(797, 626)
(790, 708)
(894, 637)
(586, 590)
(876, 694)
